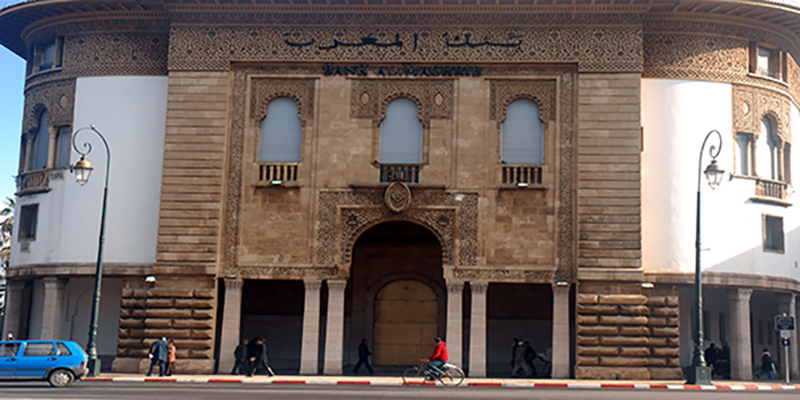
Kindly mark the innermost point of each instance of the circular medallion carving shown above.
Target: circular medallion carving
(63, 102)
(745, 108)
(397, 197)
(439, 99)
(364, 98)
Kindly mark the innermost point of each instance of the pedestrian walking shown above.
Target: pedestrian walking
(171, 358)
(363, 357)
(767, 367)
(158, 355)
(242, 360)
(260, 359)
(530, 357)
(519, 361)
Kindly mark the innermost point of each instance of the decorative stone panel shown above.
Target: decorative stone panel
(633, 335)
(751, 104)
(107, 46)
(344, 215)
(370, 97)
(58, 98)
(265, 89)
(542, 92)
(205, 40)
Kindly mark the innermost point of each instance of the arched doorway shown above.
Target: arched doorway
(395, 295)
(406, 314)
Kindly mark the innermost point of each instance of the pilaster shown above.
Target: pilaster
(309, 353)
(231, 323)
(455, 320)
(477, 329)
(560, 358)
(13, 309)
(53, 307)
(334, 328)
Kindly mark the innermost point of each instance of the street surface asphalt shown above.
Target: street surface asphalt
(175, 391)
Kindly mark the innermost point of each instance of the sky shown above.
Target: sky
(12, 80)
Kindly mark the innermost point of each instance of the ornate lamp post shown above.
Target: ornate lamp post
(699, 373)
(83, 169)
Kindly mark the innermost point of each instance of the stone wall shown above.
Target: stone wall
(184, 313)
(631, 336)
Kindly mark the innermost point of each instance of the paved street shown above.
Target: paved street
(107, 390)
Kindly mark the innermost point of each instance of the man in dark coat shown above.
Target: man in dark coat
(261, 358)
(725, 360)
(711, 355)
(242, 361)
(158, 354)
(363, 355)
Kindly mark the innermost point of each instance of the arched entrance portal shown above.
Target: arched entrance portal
(405, 320)
(396, 294)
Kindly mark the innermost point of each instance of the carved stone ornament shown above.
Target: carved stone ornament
(541, 92)
(345, 214)
(57, 97)
(371, 96)
(752, 104)
(202, 39)
(397, 197)
(712, 49)
(266, 89)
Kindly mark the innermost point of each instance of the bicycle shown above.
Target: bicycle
(418, 374)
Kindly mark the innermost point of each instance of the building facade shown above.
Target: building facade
(322, 172)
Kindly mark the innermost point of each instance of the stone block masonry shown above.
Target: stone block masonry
(632, 335)
(184, 314)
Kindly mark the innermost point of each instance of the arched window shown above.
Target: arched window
(41, 144)
(522, 134)
(281, 132)
(768, 152)
(401, 134)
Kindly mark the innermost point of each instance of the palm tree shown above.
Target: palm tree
(6, 226)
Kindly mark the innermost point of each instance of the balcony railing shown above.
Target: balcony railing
(770, 189)
(521, 174)
(277, 173)
(400, 173)
(33, 181)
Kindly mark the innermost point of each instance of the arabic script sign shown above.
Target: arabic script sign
(404, 70)
(512, 40)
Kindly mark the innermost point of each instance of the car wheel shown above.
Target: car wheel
(60, 378)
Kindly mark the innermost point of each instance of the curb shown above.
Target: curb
(530, 385)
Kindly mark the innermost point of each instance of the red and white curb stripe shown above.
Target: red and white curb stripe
(541, 385)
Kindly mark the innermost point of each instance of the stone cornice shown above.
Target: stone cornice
(725, 280)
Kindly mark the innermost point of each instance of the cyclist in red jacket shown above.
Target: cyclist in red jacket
(439, 356)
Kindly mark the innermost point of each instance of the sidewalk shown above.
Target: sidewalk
(397, 381)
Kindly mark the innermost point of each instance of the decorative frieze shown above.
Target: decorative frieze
(370, 97)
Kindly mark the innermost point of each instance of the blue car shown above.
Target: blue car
(56, 361)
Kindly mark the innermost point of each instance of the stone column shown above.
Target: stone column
(787, 304)
(53, 308)
(13, 308)
(334, 328)
(309, 353)
(455, 320)
(561, 335)
(741, 352)
(231, 324)
(477, 330)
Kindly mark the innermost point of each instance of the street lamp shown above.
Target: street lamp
(699, 373)
(83, 169)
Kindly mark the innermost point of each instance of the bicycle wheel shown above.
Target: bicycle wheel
(452, 377)
(413, 376)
